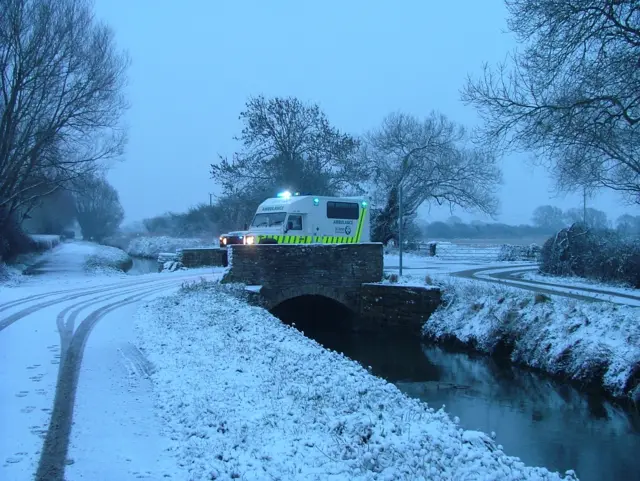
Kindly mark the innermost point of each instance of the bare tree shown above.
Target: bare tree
(289, 144)
(98, 208)
(433, 162)
(595, 218)
(571, 95)
(548, 217)
(628, 224)
(61, 98)
(52, 214)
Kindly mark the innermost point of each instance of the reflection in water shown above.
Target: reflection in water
(542, 421)
(143, 266)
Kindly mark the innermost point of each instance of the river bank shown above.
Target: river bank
(231, 379)
(593, 344)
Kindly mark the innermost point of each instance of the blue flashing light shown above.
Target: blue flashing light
(316, 201)
(364, 204)
(284, 195)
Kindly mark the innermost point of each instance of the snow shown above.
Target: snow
(589, 342)
(113, 403)
(82, 257)
(608, 294)
(46, 241)
(247, 397)
(579, 283)
(151, 247)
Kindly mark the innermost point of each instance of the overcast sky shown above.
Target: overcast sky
(195, 62)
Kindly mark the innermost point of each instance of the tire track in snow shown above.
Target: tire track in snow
(512, 275)
(35, 297)
(66, 328)
(53, 458)
(75, 294)
(506, 278)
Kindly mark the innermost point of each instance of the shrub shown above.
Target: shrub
(600, 254)
(519, 253)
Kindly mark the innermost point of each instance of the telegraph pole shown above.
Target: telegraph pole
(210, 199)
(400, 226)
(584, 204)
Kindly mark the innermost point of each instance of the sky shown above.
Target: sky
(196, 62)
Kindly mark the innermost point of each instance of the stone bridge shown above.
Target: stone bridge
(336, 272)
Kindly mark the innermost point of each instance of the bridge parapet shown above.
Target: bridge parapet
(288, 271)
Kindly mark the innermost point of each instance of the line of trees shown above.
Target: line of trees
(61, 103)
(289, 144)
(568, 94)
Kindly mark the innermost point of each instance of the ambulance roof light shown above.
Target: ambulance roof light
(284, 195)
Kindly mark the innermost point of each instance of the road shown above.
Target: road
(512, 276)
(44, 337)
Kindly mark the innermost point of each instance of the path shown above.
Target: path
(511, 276)
(68, 352)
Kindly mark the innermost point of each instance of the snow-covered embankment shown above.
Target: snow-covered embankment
(248, 397)
(150, 246)
(594, 343)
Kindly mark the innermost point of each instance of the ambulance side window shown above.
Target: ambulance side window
(294, 222)
(343, 210)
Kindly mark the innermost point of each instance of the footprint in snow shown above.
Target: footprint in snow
(22, 394)
(42, 392)
(28, 409)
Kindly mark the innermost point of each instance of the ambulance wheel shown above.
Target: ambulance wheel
(268, 241)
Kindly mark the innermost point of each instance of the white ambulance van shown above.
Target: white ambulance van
(306, 219)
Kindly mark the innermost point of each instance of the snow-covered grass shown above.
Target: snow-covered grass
(105, 259)
(581, 282)
(246, 397)
(9, 275)
(451, 251)
(45, 242)
(150, 247)
(595, 343)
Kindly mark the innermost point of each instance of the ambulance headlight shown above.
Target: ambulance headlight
(249, 240)
(224, 241)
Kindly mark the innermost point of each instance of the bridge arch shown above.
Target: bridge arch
(276, 298)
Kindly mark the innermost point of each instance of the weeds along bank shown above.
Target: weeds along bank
(245, 396)
(596, 344)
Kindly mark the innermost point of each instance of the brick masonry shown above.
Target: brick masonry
(397, 307)
(203, 257)
(288, 271)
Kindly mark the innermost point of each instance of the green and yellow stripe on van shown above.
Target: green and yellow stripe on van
(302, 239)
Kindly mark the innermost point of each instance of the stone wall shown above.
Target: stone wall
(397, 307)
(201, 257)
(288, 271)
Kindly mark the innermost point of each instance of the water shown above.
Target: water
(143, 266)
(542, 421)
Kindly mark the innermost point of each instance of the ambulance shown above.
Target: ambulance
(306, 219)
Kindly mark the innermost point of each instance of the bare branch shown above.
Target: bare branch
(572, 95)
(61, 96)
(432, 161)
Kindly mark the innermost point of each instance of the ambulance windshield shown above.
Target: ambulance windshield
(269, 220)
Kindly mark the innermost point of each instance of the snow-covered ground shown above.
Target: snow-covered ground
(150, 247)
(246, 397)
(75, 393)
(46, 241)
(81, 257)
(578, 282)
(589, 342)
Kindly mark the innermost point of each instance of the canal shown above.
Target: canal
(542, 421)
